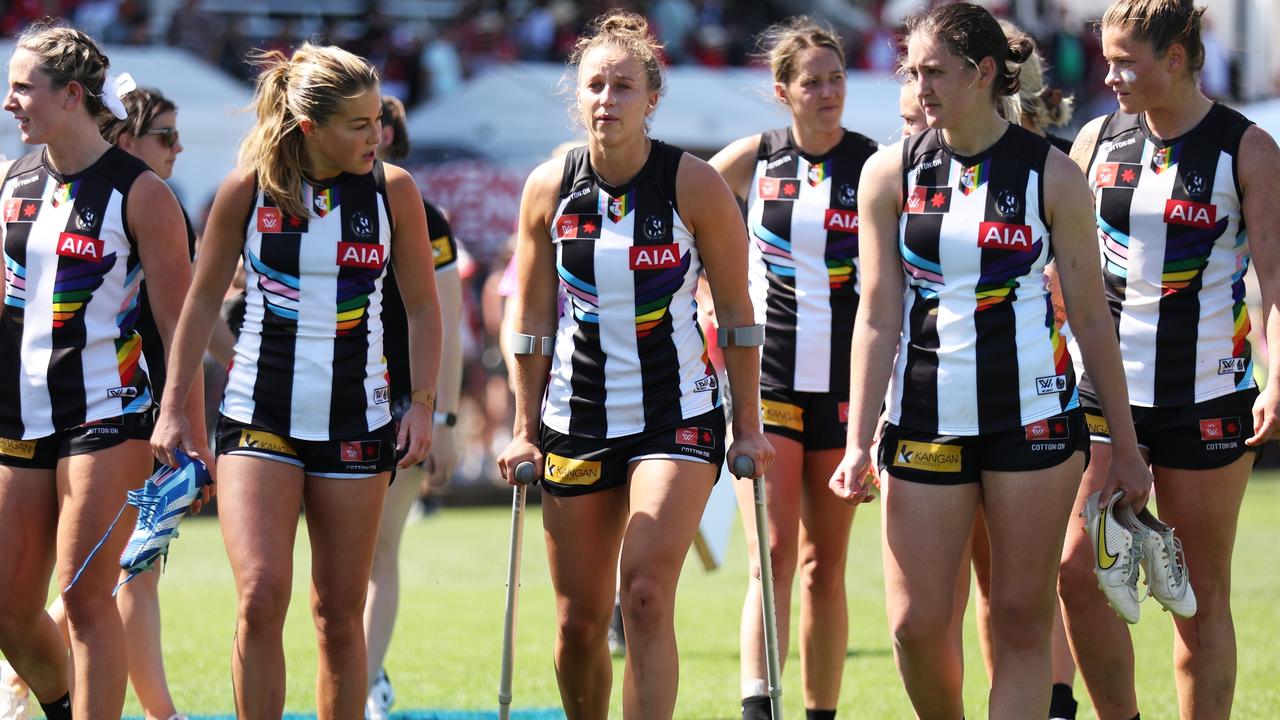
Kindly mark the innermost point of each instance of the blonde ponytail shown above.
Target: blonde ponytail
(311, 84)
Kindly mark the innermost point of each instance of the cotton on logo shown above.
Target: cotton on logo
(79, 246)
(655, 257)
(1194, 214)
(363, 255)
(842, 220)
(1004, 236)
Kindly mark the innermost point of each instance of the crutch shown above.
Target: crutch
(524, 475)
(745, 467)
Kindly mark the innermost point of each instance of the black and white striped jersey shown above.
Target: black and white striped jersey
(629, 355)
(69, 353)
(309, 360)
(1175, 253)
(980, 351)
(803, 217)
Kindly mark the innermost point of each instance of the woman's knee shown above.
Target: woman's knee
(822, 576)
(647, 601)
(584, 624)
(919, 626)
(1022, 623)
(263, 603)
(1077, 581)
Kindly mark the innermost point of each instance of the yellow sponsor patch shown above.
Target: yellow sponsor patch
(25, 449)
(1097, 424)
(442, 251)
(570, 471)
(263, 440)
(782, 414)
(933, 457)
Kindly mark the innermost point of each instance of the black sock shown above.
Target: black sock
(811, 714)
(756, 707)
(1063, 704)
(59, 709)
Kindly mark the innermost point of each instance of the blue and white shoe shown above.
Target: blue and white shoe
(162, 502)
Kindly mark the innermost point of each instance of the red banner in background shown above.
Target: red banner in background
(481, 200)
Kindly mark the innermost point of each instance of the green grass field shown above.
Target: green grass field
(446, 653)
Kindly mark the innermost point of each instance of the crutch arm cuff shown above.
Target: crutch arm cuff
(745, 336)
(522, 344)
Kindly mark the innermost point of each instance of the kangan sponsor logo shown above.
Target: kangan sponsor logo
(441, 250)
(25, 449)
(935, 457)
(705, 384)
(1050, 384)
(266, 441)
(782, 415)
(1097, 425)
(382, 395)
(1231, 366)
(571, 471)
(122, 392)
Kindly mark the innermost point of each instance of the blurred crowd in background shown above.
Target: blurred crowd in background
(428, 49)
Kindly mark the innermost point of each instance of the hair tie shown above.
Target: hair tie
(113, 91)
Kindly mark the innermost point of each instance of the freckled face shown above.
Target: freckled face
(1137, 76)
(348, 140)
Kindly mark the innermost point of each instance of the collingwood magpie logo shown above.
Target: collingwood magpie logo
(1007, 204)
(361, 226)
(654, 228)
(847, 196)
(86, 219)
(1194, 183)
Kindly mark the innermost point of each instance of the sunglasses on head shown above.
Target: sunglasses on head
(168, 136)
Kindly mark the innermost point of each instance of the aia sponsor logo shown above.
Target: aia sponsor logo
(79, 246)
(360, 450)
(578, 227)
(1115, 174)
(842, 220)
(655, 257)
(695, 436)
(771, 188)
(1219, 428)
(1004, 236)
(361, 255)
(929, 200)
(1192, 214)
(271, 220)
(1054, 428)
(20, 210)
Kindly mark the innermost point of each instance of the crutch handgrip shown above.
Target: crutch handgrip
(525, 472)
(743, 466)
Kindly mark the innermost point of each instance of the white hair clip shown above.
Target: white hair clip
(113, 89)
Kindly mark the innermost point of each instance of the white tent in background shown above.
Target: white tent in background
(209, 118)
(518, 113)
(1266, 114)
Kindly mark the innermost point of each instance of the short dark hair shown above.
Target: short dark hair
(393, 117)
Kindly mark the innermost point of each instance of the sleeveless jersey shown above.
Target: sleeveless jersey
(1174, 254)
(395, 322)
(152, 344)
(69, 353)
(309, 362)
(629, 355)
(980, 351)
(803, 216)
